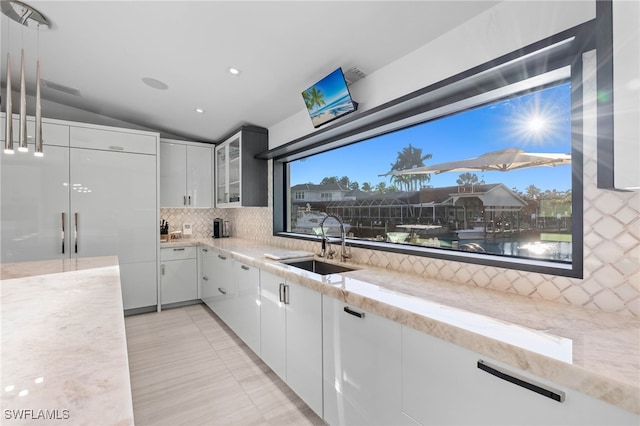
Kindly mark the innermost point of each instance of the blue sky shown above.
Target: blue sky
(536, 122)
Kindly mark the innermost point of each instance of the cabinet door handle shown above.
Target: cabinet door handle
(205, 250)
(222, 257)
(532, 385)
(63, 236)
(116, 148)
(280, 292)
(222, 290)
(286, 294)
(205, 278)
(189, 199)
(354, 313)
(184, 200)
(178, 249)
(245, 267)
(76, 232)
(162, 269)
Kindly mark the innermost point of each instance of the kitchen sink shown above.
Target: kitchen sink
(319, 267)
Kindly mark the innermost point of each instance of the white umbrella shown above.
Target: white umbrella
(503, 160)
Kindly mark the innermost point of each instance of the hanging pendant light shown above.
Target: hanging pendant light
(8, 141)
(38, 151)
(22, 135)
(28, 17)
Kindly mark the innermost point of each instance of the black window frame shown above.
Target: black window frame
(552, 53)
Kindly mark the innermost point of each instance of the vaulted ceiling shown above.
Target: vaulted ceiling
(97, 53)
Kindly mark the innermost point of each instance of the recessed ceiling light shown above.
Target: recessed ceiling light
(156, 84)
(199, 110)
(234, 71)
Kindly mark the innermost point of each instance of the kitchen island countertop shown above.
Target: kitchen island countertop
(64, 352)
(605, 348)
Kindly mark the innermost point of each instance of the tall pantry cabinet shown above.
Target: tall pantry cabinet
(93, 193)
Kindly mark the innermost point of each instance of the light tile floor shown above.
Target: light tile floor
(188, 368)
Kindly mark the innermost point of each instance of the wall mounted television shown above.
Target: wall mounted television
(329, 99)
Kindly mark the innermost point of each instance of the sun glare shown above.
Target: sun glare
(536, 119)
(536, 124)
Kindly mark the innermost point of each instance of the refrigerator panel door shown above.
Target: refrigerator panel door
(114, 197)
(35, 195)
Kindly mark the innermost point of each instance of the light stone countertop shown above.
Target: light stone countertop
(64, 350)
(604, 349)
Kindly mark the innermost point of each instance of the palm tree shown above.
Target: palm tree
(410, 158)
(366, 187)
(467, 179)
(313, 97)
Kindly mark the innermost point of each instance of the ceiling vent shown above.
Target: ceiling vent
(353, 75)
(60, 88)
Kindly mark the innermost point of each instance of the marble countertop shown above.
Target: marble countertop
(592, 352)
(64, 352)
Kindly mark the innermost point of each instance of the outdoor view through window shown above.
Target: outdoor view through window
(494, 179)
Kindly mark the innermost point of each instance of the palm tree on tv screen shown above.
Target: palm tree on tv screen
(313, 97)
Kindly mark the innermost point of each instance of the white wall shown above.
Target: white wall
(626, 100)
(502, 29)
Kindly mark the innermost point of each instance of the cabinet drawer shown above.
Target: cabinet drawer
(177, 253)
(112, 140)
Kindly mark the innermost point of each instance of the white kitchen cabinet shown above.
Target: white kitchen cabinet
(442, 385)
(206, 273)
(220, 289)
(241, 179)
(80, 202)
(186, 174)
(291, 336)
(244, 318)
(361, 363)
(178, 276)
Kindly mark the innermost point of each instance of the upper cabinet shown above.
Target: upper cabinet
(186, 174)
(241, 179)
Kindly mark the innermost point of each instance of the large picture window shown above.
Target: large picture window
(493, 179)
(484, 167)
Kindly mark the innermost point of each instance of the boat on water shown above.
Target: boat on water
(308, 222)
(479, 229)
(474, 233)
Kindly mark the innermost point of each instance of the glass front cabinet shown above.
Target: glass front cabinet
(241, 179)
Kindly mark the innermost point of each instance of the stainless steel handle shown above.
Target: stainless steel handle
(189, 199)
(222, 257)
(116, 148)
(75, 232)
(532, 385)
(63, 236)
(286, 294)
(281, 292)
(184, 200)
(354, 313)
(162, 269)
(178, 249)
(222, 290)
(205, 278)
(245, 267)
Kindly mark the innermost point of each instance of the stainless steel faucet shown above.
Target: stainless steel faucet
(345, 253)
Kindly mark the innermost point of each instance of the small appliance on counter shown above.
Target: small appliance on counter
(220, 228)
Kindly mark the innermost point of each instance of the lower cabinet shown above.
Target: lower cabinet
(217, 287)
(362, 367)
(443, 385)
(178, 275)
(244, 313)
(291, 336)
